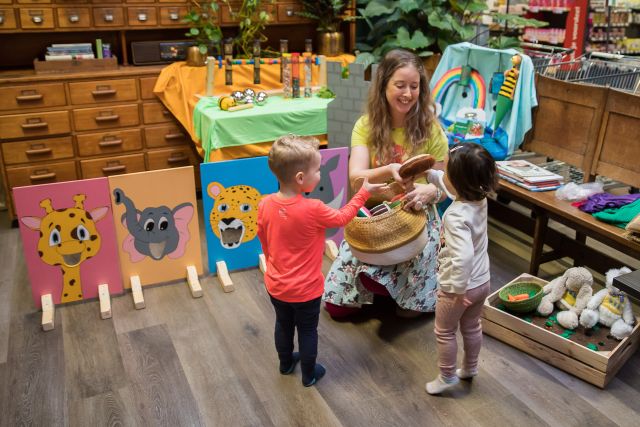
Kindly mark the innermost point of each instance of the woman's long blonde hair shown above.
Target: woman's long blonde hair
(418, 122)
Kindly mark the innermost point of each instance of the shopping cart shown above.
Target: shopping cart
(544, 56)
(597, 68)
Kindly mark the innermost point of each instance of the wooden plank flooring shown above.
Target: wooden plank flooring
(211, 361)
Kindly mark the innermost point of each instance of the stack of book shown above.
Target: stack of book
(527, 175)
(69, 51)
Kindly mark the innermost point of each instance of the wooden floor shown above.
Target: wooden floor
(211, 361)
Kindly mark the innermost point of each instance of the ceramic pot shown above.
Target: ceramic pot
(330, 43)
(194, 57)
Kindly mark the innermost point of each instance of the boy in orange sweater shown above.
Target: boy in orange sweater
(291, 229)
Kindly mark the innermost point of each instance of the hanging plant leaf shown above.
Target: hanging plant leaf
(408, 5)
(417, 41)
(377, 8)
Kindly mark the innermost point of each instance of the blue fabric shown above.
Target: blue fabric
(497, 145)
(487, 61)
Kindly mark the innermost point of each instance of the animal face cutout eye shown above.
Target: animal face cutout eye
(82, 233)
(54, 238)
(163, 223)
(223, 207)
(245, 207)
(149, 224)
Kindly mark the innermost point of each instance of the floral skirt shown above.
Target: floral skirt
(412, 284)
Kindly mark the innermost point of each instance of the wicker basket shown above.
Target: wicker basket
(389, 238)
(517, 288)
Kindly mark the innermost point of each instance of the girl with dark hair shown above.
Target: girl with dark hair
(399, 123)
(463, 263)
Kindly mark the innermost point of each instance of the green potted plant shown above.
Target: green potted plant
(329, 14)
(204, 30)
(427, 27)
(252, 20)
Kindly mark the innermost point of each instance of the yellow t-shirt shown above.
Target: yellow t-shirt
(436, 145)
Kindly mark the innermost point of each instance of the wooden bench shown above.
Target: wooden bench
(595, 129)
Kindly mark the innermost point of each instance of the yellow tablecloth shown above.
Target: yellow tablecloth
(178, 85)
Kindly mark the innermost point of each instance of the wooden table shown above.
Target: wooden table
(545, 206)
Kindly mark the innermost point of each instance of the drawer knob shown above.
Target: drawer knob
(107, 118)
(1, 19)
(142, 17)
(172, 136)
(174, 16)
(74, 18)
(31, 97)
(42, 176)
(108, 17)
(37, 151)
(177, 159)
(289, 13)
(37, 19)
(112, 169)
(110, 143)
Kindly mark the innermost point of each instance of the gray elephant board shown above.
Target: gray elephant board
(332, 188)
(156, 224)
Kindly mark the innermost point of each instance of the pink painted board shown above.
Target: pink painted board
(89, 260)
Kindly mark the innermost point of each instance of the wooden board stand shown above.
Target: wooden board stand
(48, 312)
(105, 301)
(330, 249)
(262, 263)
(223, 276)
(194, 282)
(136, 292)
(595, 367)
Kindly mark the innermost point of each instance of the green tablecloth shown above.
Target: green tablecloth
(219, 129)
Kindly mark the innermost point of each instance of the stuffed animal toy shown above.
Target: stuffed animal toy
(611, 307)
(571, 293)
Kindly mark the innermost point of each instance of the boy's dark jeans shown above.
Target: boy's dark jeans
(303, 316)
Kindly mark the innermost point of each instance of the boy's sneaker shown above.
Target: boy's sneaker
(441, 384)
(286, 370)
(319, 372)
(463, 374)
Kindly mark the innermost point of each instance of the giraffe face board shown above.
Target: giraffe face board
(156, 220)
(68, 237)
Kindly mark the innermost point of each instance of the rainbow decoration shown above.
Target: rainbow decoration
(452, 76)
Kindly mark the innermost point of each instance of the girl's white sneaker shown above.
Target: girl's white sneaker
(439, 385)
(463, 374)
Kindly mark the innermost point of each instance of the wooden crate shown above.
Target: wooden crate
(595, 367)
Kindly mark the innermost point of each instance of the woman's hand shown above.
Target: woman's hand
(419, 196)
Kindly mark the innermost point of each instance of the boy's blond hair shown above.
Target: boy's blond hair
(291, 154)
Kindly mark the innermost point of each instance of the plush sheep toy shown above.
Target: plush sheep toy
(611, 307)
(571, 293)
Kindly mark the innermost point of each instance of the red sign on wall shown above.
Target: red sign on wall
(576, 27)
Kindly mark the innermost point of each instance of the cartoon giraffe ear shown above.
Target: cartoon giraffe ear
(98, 213)
(214, 189)
(33, 222)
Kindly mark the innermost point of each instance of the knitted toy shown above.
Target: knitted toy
(611, 307)
(571, 293)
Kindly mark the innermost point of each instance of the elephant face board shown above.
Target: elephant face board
(231, 193)
(69, 239)
(156, 224)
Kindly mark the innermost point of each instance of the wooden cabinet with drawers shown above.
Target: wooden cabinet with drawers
(79, 126)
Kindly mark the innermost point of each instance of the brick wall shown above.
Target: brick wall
(349, 103)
